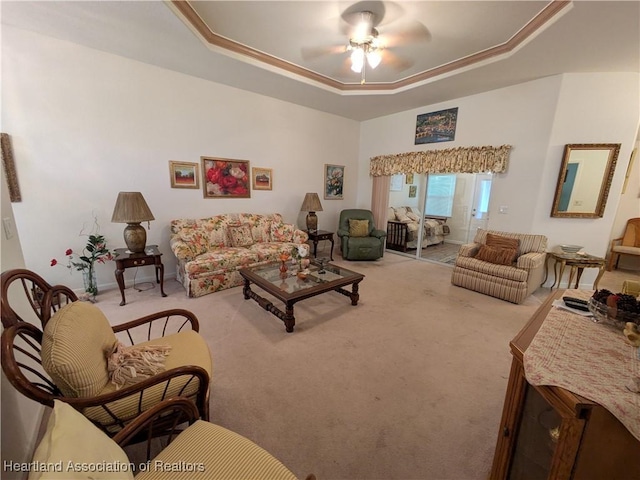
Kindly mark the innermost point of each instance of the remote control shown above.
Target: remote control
(571, 303)
(575, 300)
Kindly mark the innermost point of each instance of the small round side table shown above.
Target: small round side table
(577, 263)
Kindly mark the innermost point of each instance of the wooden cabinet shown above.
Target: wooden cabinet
(550, 433)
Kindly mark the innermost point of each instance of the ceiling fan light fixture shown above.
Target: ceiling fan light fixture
(373, 58)
(357, 59)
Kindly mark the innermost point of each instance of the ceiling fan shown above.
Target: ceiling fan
(366, 46)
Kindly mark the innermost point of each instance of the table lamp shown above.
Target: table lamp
(131, 208)
(312, 205)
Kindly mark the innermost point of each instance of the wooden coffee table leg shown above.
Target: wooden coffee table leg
(353, 294)
(288, 318)
(246, 290)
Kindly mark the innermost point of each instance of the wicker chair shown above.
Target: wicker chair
(202, 450)
(64, 358)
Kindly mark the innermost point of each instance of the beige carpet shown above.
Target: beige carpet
(409, 384)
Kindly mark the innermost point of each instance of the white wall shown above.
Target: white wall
(87, 124)
(20, 416)
(537, 118)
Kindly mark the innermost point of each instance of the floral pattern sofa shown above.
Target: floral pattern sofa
(210, 251)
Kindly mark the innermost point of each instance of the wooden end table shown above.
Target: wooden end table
(125, 259)
(577, 262)
(321, 235)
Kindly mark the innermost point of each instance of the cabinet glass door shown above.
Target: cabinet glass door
(537, 438)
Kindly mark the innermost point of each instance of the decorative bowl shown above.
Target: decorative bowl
(610, 316)
(571, 248)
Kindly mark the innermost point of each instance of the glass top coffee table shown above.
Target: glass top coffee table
(290, 289)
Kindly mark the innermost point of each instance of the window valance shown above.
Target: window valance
(450, 160)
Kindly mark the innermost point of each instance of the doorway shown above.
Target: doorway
(460, 201)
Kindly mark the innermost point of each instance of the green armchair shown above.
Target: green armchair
(359, 237)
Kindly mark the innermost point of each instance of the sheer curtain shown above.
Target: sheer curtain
(380, 200)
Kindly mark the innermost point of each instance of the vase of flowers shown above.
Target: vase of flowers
(300, 256)
(94, 251)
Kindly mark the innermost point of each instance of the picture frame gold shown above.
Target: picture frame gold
(261, 178)
(333, 182)
(409, 179)
(225, 178)
(184, 174)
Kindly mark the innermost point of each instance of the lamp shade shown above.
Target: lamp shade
(131, 208)
(311, 203)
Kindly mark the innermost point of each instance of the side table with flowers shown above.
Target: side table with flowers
(94, 251)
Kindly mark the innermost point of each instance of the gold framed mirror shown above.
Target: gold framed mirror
(584, 180)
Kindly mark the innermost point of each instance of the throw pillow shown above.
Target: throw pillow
(499, 256)
(413, 216)
(281, 232)
(498, 241)
(71, 440)
(75, 343)
(240, 235)
(358, 228)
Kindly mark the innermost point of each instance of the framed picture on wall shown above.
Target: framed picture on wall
(184, 175)
(436, 126)
(409, 179)
(262, 178)
(333, 182)
(413, 189)
(225, 178)
(397, 181)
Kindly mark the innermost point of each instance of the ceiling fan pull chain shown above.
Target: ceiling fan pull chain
(364, 69)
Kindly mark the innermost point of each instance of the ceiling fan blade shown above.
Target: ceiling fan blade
(312, 53)
(412, 32)
(397, 63)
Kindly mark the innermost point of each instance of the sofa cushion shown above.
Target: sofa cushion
(75, 343)
(499, 256)
(227, 258)
(282, 232)
(358, 228)
(413, 217)
(240, 235)
(507, 272)
(498, 241)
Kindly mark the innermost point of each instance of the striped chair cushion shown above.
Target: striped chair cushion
(187, 348)
(213, 452)
(506, 272)
(74, 347)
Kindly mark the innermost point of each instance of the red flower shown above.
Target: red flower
(214, 174)
(238, 190)
(228, 182)
(54, 261)
(68, 252)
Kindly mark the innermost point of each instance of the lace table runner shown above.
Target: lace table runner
(588, 359)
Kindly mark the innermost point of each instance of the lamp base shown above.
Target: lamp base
(312, 222)
(135, 236)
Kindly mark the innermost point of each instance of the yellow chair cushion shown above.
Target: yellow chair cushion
(74, 347)
(74, 448)
(187, 348)
(208, 451)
